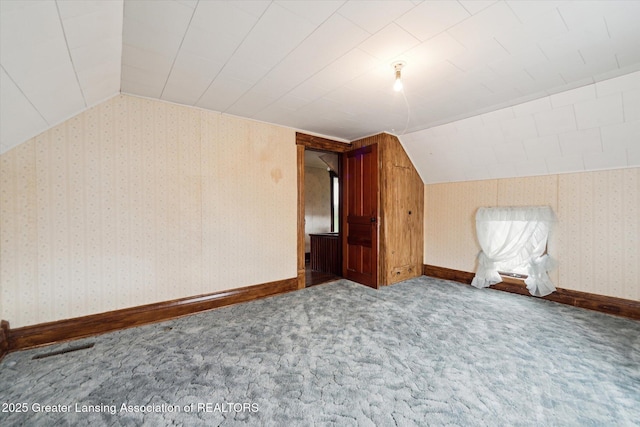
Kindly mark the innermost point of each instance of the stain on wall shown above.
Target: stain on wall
(137, 201)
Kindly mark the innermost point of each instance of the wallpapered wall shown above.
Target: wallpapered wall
(596, 240)
(317, 203)
(137, 201)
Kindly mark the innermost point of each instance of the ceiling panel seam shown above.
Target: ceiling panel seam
(25, 95)
(445, 30)
(179, 48)
(284, 57)
(66, 42)
(121, 48)
(231, 56)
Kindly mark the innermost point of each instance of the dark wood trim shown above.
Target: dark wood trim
(4, 342)
(323, 144)
(95, 324)
(448, 274)
(301, 249)
(605, 304)
(325, 253)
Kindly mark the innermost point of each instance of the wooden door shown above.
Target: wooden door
(360, 223)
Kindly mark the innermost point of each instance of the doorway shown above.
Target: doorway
(306, 142)
(322, 228)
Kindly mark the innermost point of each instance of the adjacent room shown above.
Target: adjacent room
(316, 212)
(321, 217)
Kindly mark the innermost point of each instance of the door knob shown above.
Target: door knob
(373, 219)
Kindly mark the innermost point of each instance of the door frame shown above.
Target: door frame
(304, 141)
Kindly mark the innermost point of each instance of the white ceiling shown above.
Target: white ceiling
(320, 66)
(312, 159)
(56, 59)
(321, 160)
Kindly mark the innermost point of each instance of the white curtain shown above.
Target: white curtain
(514, 239)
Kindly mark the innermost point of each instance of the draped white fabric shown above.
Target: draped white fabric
(514, 239)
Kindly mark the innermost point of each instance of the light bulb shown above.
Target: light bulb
(397, 86)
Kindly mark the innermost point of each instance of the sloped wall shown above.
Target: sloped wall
(596, 240)
(593, 127)
(138, 201)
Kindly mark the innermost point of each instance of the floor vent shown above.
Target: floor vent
(66, 350)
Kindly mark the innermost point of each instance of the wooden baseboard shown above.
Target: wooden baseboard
(448, 274)
(302, 278)
(610, 305)
(95, 324)
(4, 343)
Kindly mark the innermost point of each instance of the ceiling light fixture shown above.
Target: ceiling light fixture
(397, 66)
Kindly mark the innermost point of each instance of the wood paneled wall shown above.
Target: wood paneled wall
(137, 201)
(401, 211)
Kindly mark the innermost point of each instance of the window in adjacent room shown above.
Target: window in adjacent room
(335, 202)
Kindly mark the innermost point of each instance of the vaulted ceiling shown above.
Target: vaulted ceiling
(320, 66)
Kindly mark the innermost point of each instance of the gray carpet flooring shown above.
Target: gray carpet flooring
(423, 352)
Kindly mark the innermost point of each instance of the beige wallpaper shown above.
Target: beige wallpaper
(317, 203)
(596, 240)
(599, 239)
(137, 201)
